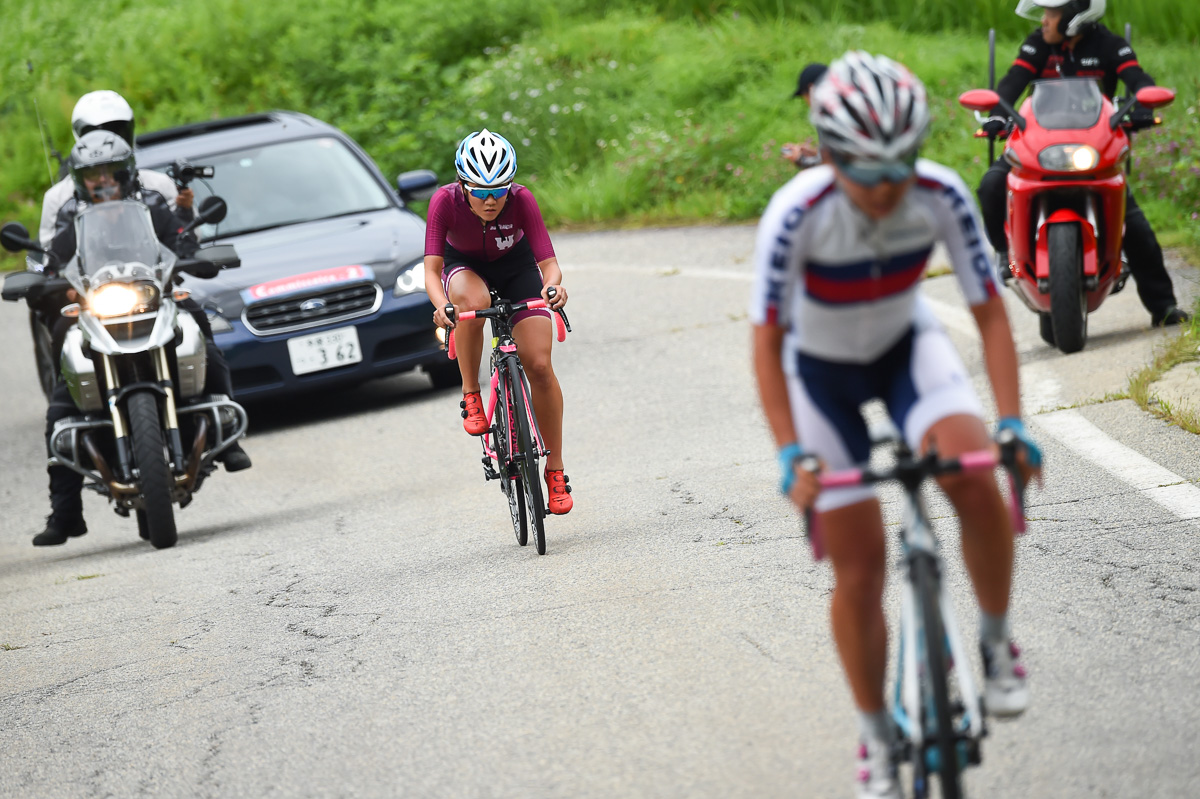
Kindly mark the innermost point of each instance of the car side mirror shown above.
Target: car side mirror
(419, 184)
(212, 210)
(1155, 96)
(982, 100)
(14, 237)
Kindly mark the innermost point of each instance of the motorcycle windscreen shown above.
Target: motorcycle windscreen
(1067, 104)
(115, 234)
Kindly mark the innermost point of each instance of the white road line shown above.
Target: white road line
(1157, 483)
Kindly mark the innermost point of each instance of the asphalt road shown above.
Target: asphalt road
(352, 616)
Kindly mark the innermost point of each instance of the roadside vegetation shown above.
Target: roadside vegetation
(630, 113)
(1182, 349)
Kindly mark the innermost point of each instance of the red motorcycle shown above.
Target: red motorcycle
(1068, 148)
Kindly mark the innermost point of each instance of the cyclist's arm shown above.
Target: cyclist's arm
(552, 276)
(999, 355)
(433, 280)
(772, 385)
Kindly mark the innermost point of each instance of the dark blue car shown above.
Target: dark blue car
(331, 289)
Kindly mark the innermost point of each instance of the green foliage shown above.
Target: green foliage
(635, 112)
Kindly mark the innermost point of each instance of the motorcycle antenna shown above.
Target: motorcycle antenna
(48, 147)
(992, 87)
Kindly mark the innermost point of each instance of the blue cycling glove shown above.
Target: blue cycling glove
(1032, 452)
(788, 455)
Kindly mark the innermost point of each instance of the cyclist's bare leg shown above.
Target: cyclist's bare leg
(854, 540)
(468, 292)
(987, 535)
(534, 335)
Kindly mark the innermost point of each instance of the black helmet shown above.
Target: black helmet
(105, 161)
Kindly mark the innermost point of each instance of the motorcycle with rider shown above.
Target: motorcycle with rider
(140, 415)
(1057, 206)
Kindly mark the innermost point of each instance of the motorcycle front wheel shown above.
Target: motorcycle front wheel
(1068, 305)
(154, 472)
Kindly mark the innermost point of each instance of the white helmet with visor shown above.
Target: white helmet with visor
(1076, 14)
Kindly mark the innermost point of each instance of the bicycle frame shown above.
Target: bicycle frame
(505, 362)
(914, 704)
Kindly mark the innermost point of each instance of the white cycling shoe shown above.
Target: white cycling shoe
(877, 778)
(1005, 685)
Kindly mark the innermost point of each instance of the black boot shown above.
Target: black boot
(60, 527)
(1171, 316)
(235, 458)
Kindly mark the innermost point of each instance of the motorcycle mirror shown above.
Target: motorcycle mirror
(14, 237)
(212, 210)
(982, 100)
(1155, 96)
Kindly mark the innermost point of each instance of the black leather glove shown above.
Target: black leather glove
(1141, 117)
(994, 126)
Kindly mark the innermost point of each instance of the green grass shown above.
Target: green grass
(630, 113)
(1183, 348)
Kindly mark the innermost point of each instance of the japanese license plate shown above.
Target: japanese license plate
(327, 350)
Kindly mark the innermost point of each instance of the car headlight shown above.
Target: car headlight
(410, 280)
(218, 323)
(1069, 158)
(123, 299)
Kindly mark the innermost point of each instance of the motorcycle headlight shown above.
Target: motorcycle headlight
(1068, 158)
(123, 299)
(410, 279)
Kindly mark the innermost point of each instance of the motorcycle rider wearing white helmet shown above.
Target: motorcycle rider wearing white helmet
(1071, 42)
(839, 320)
(107, 110)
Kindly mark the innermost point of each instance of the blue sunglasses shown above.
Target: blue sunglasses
(483, 194)
(872, 173)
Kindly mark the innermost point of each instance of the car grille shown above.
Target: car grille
(312, 310)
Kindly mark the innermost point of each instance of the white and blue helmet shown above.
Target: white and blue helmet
(486, 159)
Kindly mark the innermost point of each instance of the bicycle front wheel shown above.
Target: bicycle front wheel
(512, 484)
(939, 723)
(535, 505)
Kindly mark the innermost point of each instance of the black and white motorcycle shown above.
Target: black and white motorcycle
(146, 436)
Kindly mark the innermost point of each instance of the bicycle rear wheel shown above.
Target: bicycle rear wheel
(512, 485)
(535, 505)
(944, 736)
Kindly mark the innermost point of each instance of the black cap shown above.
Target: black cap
(808, 76)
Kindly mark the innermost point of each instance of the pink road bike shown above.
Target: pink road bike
(513, 446)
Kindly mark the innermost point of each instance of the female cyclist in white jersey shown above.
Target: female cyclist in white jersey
(838, 320)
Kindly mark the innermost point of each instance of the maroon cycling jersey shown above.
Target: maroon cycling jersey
(450, 220)
(1099, 54)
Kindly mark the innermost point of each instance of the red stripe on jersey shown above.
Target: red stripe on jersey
(1023, 63)
(1126, 65)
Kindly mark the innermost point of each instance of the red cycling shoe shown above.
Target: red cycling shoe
(474, 419)
(560, 492)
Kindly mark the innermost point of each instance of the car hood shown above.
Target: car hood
(383, 240)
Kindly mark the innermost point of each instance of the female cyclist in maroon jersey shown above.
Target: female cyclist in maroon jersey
(486, 232)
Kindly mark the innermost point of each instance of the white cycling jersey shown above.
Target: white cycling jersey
(58, 194)
(845, 286)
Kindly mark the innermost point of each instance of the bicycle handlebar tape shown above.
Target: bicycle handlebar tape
(560, 328)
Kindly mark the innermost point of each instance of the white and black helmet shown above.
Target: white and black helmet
(486, 159)
(101, 153)
(103, 110)
(870, 107)
(1077, 15)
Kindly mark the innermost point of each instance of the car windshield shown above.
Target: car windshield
(286, 183)
(1067, 104)
(115, 232)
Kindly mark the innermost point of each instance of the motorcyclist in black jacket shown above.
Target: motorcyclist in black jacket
(103, 168)
(1071, 43)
